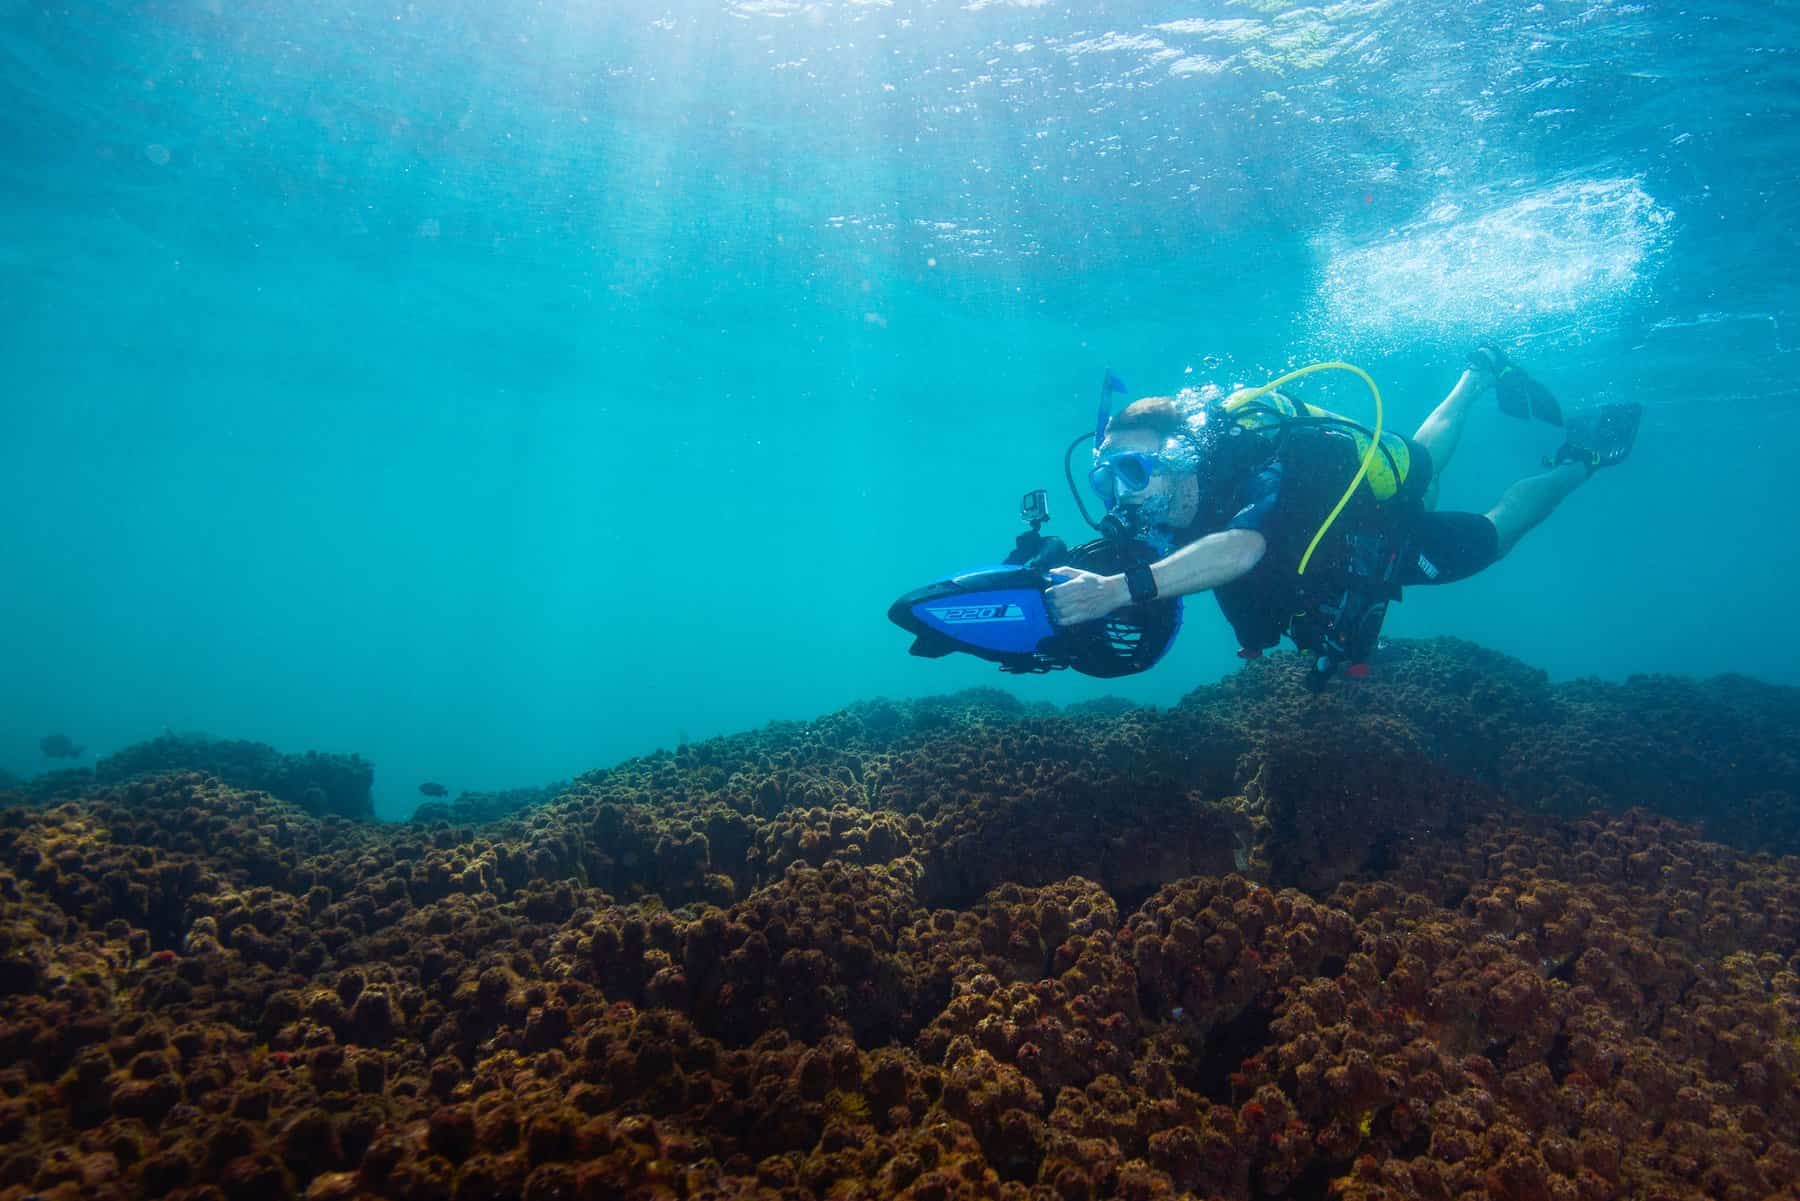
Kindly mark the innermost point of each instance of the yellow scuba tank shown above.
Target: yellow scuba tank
(1387, 470)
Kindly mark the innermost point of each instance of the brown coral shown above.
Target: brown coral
(1264, 944)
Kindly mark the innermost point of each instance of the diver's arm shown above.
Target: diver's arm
(1208, 562)
(1202, 564)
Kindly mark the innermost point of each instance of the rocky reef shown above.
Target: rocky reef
(1450, 933)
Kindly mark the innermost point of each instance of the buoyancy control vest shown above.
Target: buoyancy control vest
(1335, 608)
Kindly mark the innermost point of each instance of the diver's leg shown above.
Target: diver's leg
(1443, 429)
(1532, 499)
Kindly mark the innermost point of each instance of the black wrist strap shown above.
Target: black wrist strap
(1141, 582)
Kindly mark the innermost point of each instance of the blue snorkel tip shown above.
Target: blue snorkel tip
(1109, 385)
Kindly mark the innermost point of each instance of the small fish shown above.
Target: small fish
(58, 746)
(433, 788)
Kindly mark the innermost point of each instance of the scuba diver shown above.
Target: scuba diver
(1260, 499)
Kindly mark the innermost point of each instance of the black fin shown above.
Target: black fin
(1601, 437)
(1514, 401)
(1521, 396)
(1516, 392)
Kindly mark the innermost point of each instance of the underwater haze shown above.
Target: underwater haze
(501, 390)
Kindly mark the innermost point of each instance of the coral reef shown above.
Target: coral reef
(474, 808)
(323, 785)
(1264, 945)
(1725, 752)
(59, 746)
(63, 783)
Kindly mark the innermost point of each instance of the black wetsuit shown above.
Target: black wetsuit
(1285, 485)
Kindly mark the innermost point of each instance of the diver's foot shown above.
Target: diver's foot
(1519, 395)
(1600, 437)
(1490, 359)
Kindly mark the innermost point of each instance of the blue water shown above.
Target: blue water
(498, 390)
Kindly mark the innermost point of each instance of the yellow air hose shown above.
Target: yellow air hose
(1244, 398)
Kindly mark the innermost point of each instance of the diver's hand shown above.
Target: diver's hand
(1084, 596)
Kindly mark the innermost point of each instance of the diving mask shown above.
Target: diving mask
(1143, 490)
(1121, 473)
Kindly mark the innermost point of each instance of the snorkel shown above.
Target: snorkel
(1110, 384)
